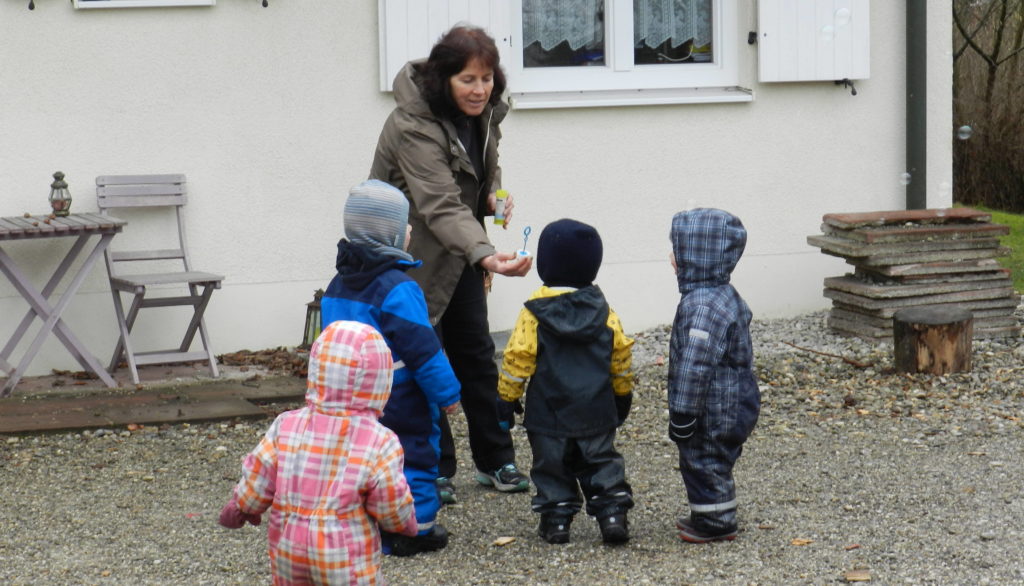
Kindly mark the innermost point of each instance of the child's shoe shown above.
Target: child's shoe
(614, 528)
(554, 528)
(446, 490)
(508, 478)
(691, 534)
(404, 546)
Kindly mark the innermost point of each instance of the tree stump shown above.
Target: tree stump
(932, 340)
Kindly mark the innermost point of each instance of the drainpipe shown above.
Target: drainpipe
(917, 111)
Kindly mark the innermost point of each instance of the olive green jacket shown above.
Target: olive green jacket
(422, 155)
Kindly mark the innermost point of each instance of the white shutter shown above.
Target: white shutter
(409, 28)
(807, 40)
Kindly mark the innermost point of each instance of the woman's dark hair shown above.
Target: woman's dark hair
(453, 51)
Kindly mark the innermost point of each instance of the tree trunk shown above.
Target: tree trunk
(932, 340)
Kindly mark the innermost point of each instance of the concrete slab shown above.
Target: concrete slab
(890, 217)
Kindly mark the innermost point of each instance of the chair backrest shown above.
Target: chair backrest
(145, 191)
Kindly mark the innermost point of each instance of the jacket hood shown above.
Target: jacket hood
(409, 99)
(350, 371)
(359, 265)
(706, 243)
(576, 314)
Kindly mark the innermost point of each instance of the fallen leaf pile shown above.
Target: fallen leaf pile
(279, 359)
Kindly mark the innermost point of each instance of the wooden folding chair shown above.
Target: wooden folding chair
(154, 191)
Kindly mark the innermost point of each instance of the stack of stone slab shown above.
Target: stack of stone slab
(908, 258)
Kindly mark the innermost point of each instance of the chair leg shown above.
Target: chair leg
(124, 345)
(209, 351)
(199, 324)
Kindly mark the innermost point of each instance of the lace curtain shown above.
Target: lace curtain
(581, 22)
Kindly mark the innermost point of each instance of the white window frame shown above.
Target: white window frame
(86, 4)
(408, 28)
(620, 81)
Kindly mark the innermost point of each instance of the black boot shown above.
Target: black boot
(403, 545)
(614, 528)
(554, 528)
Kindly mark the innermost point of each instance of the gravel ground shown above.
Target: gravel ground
(853, 473)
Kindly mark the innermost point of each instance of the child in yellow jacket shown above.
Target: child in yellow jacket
(570, 345)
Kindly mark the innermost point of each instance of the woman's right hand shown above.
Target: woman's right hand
(507, 263)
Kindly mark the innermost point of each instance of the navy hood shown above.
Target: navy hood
(706, 244)
(359, 265)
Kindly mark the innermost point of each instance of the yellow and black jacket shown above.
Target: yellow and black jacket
(570, 346)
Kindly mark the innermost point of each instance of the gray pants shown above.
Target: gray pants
(565, 466)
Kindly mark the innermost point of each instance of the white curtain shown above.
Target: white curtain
(580, 22)
(657, 21)
(552, 21)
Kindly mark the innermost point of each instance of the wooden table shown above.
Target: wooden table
(37, 229)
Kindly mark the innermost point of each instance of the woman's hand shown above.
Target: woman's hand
(492, 205)
(507, 263)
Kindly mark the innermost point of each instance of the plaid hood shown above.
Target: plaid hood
(707, 244)
(350, 371)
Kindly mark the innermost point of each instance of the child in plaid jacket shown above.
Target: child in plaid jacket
(713, 397)
(329, 472)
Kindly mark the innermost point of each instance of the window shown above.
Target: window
(571, 53)
(619, 52)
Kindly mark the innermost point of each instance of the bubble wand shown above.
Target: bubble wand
(522, 253)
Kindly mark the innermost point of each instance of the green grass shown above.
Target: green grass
(1014, 240)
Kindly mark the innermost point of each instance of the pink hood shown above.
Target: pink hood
(350, 371)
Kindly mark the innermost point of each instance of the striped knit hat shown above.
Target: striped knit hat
(376, 215)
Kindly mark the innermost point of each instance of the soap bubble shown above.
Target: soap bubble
(904, 178)
(964, 132)
(827, 32)
(842, 17)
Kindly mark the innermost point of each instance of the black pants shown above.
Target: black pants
(564, 466)
(466, 338)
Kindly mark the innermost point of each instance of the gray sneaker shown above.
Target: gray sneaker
(446, 490)
(508, 478)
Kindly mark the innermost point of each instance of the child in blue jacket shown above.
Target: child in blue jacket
(712, 391)
(371, 287)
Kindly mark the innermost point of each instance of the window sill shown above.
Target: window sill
(85, 4)
(598, 99)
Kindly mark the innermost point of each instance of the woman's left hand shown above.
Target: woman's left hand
(507, 263)
(492, 205)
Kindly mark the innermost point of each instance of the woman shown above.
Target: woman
(440, 147)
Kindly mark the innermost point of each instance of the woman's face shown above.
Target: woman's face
(471, 87)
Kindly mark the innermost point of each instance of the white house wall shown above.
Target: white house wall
(273, 114)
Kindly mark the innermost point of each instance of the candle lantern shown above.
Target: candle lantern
(312, 329)
(60, 199)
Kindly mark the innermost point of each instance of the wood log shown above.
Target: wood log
(932, 340)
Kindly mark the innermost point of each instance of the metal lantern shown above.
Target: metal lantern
(312, 329)
(60, 199)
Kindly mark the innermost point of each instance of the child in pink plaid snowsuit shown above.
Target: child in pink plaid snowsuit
(329, 472)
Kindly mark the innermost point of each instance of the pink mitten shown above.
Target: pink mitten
(233, 518)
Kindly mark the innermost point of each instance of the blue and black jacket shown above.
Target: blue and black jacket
(373, 288)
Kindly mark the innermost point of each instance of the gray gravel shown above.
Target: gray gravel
(852, 473)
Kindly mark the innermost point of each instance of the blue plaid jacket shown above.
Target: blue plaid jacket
(711, 358)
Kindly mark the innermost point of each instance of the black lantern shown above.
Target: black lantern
(60, 199)
(312, 329)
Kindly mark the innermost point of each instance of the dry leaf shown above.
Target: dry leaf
(857, 576)
(852, 546)
(801, 541)
(133, 427)
(503, 541)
